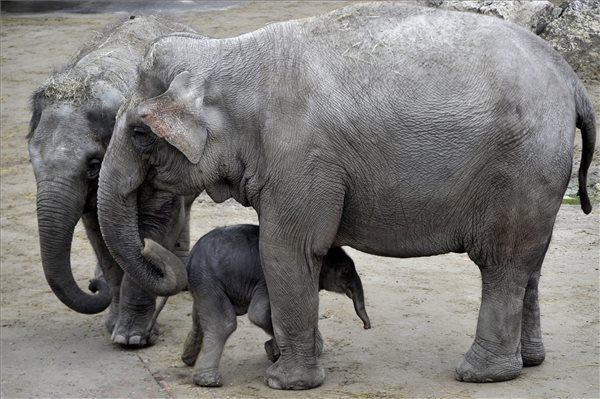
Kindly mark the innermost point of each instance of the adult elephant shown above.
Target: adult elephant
(72, 123)
(397, 130)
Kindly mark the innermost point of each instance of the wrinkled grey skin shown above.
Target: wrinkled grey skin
(72, 123)
(226, 280)
(396, 130)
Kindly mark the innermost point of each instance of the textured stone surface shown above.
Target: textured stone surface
(571, 27)
(576, 35)
(533, 15)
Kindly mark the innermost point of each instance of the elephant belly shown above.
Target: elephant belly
(394, 242)
(397, 228)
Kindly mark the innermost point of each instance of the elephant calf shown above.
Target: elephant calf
(226, 280)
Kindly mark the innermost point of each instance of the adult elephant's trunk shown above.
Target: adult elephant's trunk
(358, 298)
(154, 268)
(59, 206)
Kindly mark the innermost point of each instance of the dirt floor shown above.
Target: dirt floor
(423, 310)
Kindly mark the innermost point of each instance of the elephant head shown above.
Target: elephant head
(180, 140)
(338, 274)
(67, 140)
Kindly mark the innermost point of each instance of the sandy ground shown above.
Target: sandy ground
(423, 310)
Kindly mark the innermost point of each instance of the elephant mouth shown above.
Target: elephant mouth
(91, 199)
(91, 204)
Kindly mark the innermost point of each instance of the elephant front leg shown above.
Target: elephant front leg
(107, 268)
(299, 220)
(136, 308)
(182, 245)
(293, 290)
(111, 275)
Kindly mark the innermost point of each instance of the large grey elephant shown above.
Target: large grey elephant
(397, 130)
(73, 118)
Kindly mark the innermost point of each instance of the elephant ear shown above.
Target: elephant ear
(175, 116)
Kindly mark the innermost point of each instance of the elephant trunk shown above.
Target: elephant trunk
(154, 268)
(355, 292)
(60, 205)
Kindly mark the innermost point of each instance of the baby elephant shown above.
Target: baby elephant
(226, 280)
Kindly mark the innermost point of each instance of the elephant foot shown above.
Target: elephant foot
(131, 329)
(207, 378)
(532, 352)
(282, 375)
(483, 365)
(272, 350)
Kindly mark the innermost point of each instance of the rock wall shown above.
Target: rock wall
(571, 27)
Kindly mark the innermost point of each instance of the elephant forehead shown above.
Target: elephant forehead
(61, 134)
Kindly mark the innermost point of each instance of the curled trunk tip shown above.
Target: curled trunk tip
(174, 271)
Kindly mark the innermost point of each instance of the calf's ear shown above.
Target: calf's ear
(175, 116)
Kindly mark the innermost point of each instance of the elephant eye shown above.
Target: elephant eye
(143, 137)
(93, 168)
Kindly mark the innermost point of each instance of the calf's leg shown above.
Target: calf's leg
(193, 342)
(217, 321)
(259, 313)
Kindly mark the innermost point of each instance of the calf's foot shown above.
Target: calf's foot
(207, 378)
(485, 362)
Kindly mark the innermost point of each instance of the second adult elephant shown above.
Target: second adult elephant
(362, 128)
(73, 117)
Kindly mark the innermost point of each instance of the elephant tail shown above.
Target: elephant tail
(586, 122)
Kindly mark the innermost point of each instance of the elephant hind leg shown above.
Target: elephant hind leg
(508, 316)
(193, 342)
(495, 355)
(259, 309)
(532, 346)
